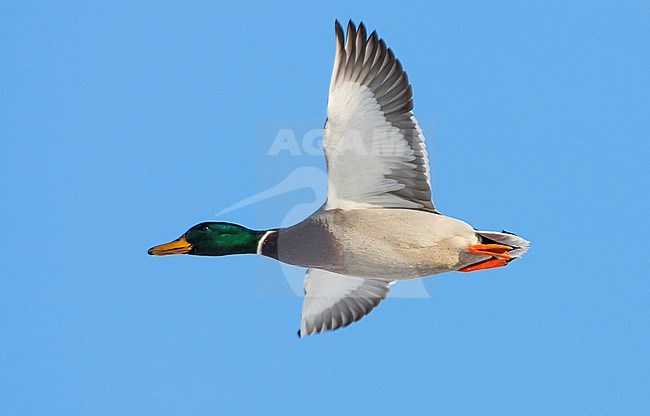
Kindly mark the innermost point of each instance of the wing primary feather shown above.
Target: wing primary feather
(390, 82)
(398, 107)
(404, 91)
(377, 62)
(339, 56)
(351, 39)
(400, 86)
(361, 42)
(362, 35)
(386, 67)
(360, 55)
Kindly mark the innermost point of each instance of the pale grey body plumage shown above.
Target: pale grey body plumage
(385, 244)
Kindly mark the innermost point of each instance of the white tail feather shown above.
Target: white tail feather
(520, 245)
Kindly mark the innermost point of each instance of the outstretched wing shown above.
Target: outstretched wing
(375, 150)
(334, 300)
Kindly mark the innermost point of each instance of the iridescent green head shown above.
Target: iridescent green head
(212, 239)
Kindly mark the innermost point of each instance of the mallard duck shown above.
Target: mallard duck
(379, 223)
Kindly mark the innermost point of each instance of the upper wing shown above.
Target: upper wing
(374, 148)
(334, 300)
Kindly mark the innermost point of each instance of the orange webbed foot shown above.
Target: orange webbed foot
(498, 252)
(485, 264)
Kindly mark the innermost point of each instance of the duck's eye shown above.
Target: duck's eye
(205, 228)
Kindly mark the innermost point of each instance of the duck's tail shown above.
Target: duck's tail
(518, 244)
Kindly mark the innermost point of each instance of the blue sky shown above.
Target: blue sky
(121, 125)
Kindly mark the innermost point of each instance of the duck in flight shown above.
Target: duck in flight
(379, 223)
